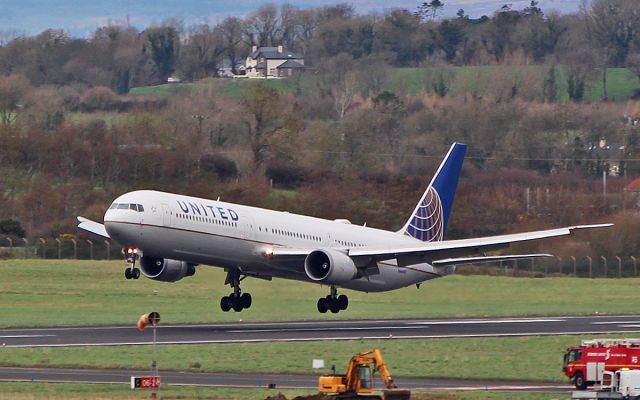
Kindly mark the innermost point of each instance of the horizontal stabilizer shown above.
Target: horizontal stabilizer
(92, 226)
(487, 259)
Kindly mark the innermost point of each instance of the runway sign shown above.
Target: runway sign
(145, 382)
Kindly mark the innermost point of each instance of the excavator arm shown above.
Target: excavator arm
(382, 369)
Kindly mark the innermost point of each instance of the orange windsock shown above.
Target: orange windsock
(150, 318)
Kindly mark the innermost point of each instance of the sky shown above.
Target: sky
(80, 18)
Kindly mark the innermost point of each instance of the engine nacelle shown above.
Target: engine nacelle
(329, 266)
(165, 270)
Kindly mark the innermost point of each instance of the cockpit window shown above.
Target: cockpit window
(127, 206)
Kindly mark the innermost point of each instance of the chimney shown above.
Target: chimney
(280, 49)
(254, 48)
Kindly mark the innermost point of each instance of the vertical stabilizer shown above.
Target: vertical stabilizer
(428, 222)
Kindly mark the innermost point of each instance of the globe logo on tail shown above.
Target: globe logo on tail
(427, 223)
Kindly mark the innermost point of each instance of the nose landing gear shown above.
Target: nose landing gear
(131, 255)
(237, 300)
(333, 302)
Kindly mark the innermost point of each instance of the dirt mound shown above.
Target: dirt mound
(318, 396)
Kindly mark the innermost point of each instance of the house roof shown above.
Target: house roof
(290, 64)
(633, 186)
(272, 53)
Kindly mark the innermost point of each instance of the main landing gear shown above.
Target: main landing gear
(333, 302)
(236, 300)
(131, 272)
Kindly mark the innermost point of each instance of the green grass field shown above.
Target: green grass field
(48, 293)
(28, 390)
(621, 83)
(512, 358)
(76, 293)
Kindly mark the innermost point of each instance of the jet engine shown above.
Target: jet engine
(329, 266)
(165, 270)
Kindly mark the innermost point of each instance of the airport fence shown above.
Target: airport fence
(59, 248)
(104, 249)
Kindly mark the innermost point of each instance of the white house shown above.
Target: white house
(272, 62)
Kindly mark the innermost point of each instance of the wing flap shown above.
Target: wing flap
(486, 259)
(92, 226)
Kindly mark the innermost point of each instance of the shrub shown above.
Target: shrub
(285, 175)
(11, 227)
(221, 166)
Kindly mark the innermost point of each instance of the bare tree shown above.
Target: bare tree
(13, 89)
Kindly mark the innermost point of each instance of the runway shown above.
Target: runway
(319, 330)
(261, 380)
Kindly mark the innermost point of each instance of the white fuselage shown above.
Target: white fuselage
(227, 235)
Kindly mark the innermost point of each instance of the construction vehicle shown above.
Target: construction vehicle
(357, 383)
(586, 364)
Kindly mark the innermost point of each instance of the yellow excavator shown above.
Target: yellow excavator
(357, 383)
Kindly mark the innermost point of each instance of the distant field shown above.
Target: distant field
(73, 293)
(229, 87)
(479, 80)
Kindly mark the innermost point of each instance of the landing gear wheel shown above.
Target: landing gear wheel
(322, 305)
(343, 301)
(236, 303)
(334, 306)
(579, 381)
(135, 273)
(245, 300)
(224, 304)
(127, 273)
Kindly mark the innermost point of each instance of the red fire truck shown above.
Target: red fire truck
(585, 364)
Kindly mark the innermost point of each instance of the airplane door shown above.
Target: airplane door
(166, 215)
(247, 225)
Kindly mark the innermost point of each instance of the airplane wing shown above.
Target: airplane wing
(92, 226)
(429, 251)
(446, 252)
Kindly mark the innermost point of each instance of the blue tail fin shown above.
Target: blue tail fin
(428, 221)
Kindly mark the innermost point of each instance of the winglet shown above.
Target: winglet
(92, 226)
(429, 219)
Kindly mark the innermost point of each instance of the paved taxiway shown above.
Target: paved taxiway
(320, 330)
(259, 380)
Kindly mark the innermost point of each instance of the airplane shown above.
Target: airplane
(172, 234)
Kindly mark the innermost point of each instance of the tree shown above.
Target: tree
(201, 54)
(163, 46)
(231, 32)
(13, 89)
(429, 10)
(266, 113)
(450, 34)
(614, 24)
